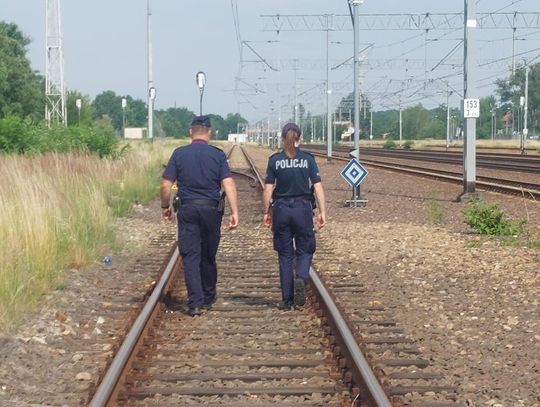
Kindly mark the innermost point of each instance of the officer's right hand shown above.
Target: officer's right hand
(267, 220)
(233, 221)
(166, 213)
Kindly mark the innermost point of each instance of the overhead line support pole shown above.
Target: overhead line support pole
(526, 110)
(447, 116)
(469, 147)
(356, 13)
(150, 74)
(296, 92)
(328, 91)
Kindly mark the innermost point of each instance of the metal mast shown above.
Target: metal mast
(55, 109)
(151, 89)
(469, 74)
(328, 91)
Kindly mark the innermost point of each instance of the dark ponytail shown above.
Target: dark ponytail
(290, 135)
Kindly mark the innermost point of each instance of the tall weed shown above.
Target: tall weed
(57, 211)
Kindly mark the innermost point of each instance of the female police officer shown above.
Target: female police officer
(292, 172)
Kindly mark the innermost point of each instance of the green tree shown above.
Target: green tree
(109, 104)
(386, 123)
(87, 109)
(219, 127)
(345, 111)
(136, 112)
(234, 123)
(21, 89)
(511, 89)
(175, 121)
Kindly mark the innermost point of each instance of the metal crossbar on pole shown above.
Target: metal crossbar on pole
(412, 21)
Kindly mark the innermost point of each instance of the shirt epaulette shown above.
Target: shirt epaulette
(275, 154)
(217, 148)
(308, 153)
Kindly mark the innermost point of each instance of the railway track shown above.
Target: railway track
(245, 352)
(506, 186)
(496, 161)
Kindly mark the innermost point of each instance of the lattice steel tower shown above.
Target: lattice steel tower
(55, 109)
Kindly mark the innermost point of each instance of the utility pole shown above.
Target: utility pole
(279, 128)
(295, 92)
(357, 193)
(493, 123)
(469, 146)
(514, 44)
(356, 6)
(151, 89)
(526, 110)
(400, 123)
(55, 94)
(371, 123)
(328, 91)
(448, 93)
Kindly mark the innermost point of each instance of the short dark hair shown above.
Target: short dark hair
(200, 129)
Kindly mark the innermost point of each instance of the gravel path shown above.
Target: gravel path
(471, 303)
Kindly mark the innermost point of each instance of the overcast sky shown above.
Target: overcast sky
(105, 48)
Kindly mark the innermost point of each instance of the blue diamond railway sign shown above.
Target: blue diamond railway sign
(354, 173)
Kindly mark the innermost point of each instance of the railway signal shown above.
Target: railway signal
(355, 173)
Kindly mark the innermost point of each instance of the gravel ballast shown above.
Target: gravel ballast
(470, 302)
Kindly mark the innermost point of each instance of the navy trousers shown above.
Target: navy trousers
(293, 219)
(199, 232)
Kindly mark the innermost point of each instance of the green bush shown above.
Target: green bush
(489, 219)
(408, 144)
(389, 144)
(21, 136)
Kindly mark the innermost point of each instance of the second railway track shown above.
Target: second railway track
(507, 186)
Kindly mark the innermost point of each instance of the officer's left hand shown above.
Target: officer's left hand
(233, 221)
(321, 220)
(166, 213)
(267, 220)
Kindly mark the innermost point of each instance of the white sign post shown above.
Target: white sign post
(471, 108)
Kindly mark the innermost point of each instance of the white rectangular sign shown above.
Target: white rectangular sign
(471, 108)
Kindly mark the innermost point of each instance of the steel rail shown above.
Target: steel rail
(503, 162)
(444, 175)
(110, 381)
(361, 369)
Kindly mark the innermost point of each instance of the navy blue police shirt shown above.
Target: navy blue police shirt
(198, 169)
(293, 176)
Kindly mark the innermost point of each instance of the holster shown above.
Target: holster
(312, 198)
(176, 203)
(221, 204)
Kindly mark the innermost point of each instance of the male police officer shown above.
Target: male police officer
(200, 171)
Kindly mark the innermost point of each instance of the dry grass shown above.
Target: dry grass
(56, 211)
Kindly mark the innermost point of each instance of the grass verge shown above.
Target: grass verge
(57, 211)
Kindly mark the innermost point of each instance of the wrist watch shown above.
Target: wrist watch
(166, 207)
